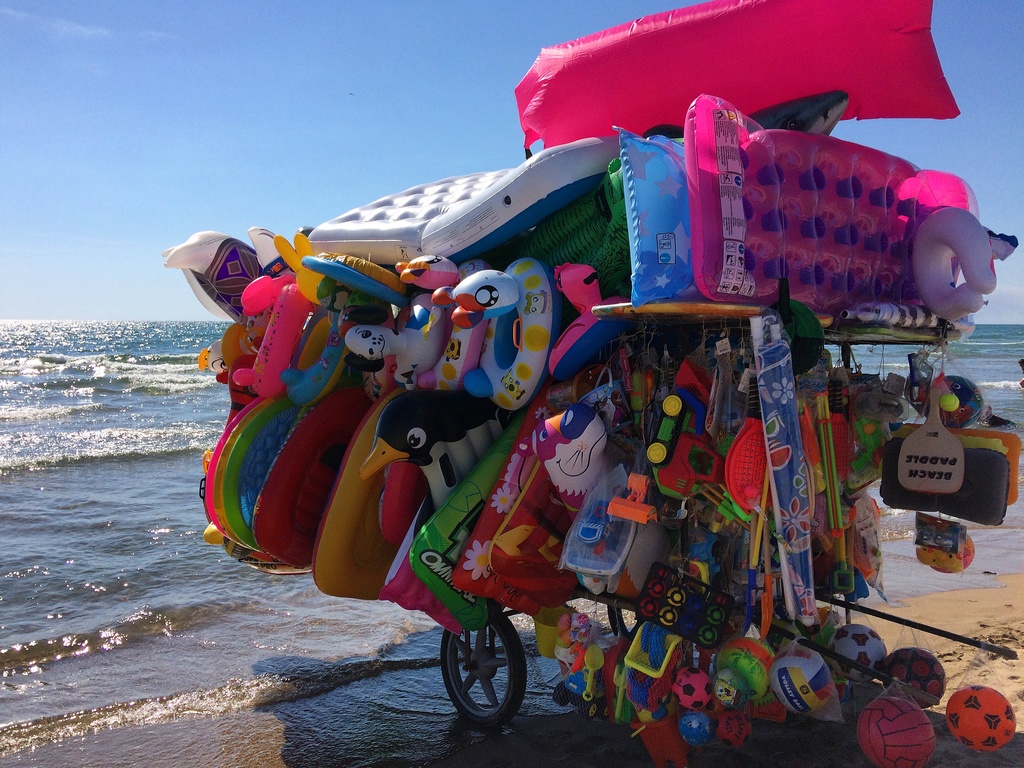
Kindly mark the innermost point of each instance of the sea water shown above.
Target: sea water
(114, 614)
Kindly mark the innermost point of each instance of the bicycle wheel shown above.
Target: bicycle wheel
(484, 671)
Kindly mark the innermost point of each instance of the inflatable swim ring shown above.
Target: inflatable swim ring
(291, 503)
(246, 460)
(464, 346)
(213, 487)
(515, 357)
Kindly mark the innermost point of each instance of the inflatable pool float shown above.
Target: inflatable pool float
(444, 433)
(289, 310)
(630, 75)
(843, 222)
(586, 336)
(217, 268)
(463, 216)
(213, 486)
(405, 488)
(438, 544)
(571, 446)
(464, 345)
(246, 459)
(403, 587)
(360, 274)
(291, 503)
(473, 572)
(416, 343)
(351, 557)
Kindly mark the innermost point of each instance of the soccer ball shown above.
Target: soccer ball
(895, 733)
(981, 718)
(860, 643)
(917, 668)
(693, 689)
(733, 728)
(696, 728)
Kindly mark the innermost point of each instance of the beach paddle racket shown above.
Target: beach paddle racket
(932, 458)
(747, 459)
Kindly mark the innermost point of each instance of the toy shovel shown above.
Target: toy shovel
(932, 458)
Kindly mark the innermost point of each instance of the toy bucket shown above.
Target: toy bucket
(545, 623)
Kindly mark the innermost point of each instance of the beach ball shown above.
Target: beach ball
(981, 718)
(918, 668)
(860, 643)
(731, 688)
(733, 728)
(946, 562)
(969, 403)
(693, 688)
(696, 728)
(895, 733)
(801, 681)
(751, 659)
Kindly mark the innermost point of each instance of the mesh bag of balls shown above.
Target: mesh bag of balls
(894, 732)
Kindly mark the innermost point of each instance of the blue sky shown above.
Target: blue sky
(126, 126)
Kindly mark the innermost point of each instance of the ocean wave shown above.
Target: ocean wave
(53, 412)
(296, 678)
(27, 450)
(1005, 384)
(141, 624)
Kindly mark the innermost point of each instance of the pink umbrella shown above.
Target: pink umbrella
(753, 53)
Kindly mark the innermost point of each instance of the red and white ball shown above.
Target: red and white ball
(860, 643)
(895, 732)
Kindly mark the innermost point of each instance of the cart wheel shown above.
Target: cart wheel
(484, 671)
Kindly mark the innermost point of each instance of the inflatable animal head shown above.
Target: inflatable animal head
(482, 295)
(571, 446)
(429, 272)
